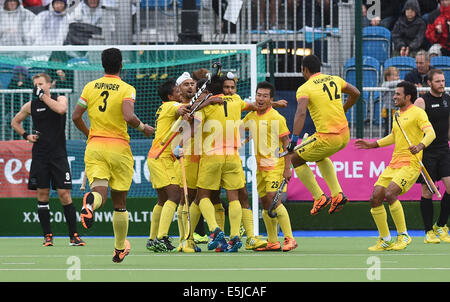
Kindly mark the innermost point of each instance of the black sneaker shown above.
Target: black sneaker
(119, 255)
(150, 245)
(75, 240)
(163, 244)
(48, 240)
(87, 213)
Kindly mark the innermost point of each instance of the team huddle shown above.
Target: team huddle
(195, 154)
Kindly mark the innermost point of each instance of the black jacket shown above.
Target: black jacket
(416, 78)
(409, 33)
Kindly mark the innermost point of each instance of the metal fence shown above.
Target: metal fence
(297, 27)
(377, 120)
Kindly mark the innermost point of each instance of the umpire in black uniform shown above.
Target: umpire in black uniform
(436, 157)
(49, 163)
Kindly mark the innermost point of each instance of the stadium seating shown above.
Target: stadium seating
(377, 42)
(443, 63)
(404, 64)
(371, 78)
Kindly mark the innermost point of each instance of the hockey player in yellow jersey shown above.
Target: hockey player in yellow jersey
(403, 169)
(164, 171)
(269, 131)
(321, 94)
(109, 102)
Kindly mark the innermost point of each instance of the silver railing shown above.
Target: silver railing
(12, 100)
(297, 27)
(374, 123)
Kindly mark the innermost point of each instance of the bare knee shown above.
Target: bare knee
(65, 197)
(391, 196)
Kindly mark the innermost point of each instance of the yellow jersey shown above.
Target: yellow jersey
(103, 100)
(413, 121)
(166, 115)
(267, 130)
(221, 125)
(324, 93)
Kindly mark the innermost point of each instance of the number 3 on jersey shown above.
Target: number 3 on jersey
(327, 90)
(105, 95)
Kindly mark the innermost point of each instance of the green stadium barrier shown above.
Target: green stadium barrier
(21, 217)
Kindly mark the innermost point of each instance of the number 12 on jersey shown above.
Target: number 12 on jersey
(327, 90)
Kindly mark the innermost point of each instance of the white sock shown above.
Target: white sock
(388, 238)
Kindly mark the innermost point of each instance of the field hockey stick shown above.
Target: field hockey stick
(426, 176)
(246, 140)
(177, 131)
(83, 182)
(217, 67)
(186, 199)
(275, 199)
(301, 145)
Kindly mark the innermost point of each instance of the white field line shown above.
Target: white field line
(239, 269)
(262, 254)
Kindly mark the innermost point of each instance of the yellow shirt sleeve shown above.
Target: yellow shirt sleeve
(386, 141)
(284, 130)
(301, 92)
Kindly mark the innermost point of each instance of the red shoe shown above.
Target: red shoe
(320, 203)
(289, 244)
(271, 246)
(337, 203)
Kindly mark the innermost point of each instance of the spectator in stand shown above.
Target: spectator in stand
(434, 13)
(50, 27)
(409, 30)
(435, 50)
(426, 7)
(36, 6)
(365, 20)
(20, 79)
(391, 79)
(15, 23)
(389, 12)
(86, 20)
(418, 75)
(438, 32)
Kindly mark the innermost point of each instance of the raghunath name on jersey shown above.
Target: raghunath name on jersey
(324, 94)
(108, 153)
(325, 102)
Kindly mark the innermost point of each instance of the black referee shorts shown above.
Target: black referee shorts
(437, 163)
(46, 171)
